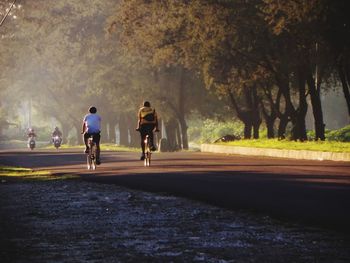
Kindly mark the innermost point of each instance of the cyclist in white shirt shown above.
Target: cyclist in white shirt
(92, 127)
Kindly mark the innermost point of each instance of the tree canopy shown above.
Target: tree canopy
(264, 60)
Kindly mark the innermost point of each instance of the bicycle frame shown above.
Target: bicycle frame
(148, 153)
(91, 156)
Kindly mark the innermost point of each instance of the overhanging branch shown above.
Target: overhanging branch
(7, 13)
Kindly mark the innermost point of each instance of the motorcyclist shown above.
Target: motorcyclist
(55, 133)
(31, 138)
(92, 127)
(147, 123)
(31, 133)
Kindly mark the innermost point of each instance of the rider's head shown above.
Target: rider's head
(56, 128)
(147, 104)
(92, 109)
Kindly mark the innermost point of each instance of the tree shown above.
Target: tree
(304, 23)
(154, 32)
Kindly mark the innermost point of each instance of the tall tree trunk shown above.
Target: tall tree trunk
(178, 137)
(134, 135)
(302, 108)
(250, 118)
(281, 132)
(184, 138)
(248, 124)
(171, 128)
(274, 111)
(345, 84)
(246, 118)
(108, 123)
(269, 120)
(123, 130)
(65, 130)
(79, 139)
(299, 126)
(300, 123)
(111, 131)
(256, 127)
(104, 132)
(290, 112)
(255, 112)
(182, 101)
(316, 108)
(270, 124)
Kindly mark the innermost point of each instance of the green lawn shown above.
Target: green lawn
(8, 173)
(104, 147)
(323, 146)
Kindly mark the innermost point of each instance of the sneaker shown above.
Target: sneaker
(98, 162)
(86, 150)
(142, 157)
(153, 148)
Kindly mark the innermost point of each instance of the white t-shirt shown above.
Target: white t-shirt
(92, 123)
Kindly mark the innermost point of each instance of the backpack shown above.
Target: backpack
(149, 117)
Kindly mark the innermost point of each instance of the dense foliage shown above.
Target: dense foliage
(257, 61)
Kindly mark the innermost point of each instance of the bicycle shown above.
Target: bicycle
(148, 152)
(91, 155)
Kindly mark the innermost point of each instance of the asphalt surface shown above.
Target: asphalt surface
(315, 193)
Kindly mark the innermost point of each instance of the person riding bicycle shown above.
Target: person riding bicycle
(92, 127)
(56, 132)
(147, 123)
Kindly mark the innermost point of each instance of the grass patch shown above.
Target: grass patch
(8, 172)
(322, 146)
(118, 148)
(104, 147)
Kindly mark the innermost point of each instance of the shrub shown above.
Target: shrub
(341, 135)
(210, 130)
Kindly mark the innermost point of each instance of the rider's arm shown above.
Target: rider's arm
(84, 127)
(156, 119)
(138, 120)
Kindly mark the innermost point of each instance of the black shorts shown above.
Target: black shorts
(95, 136)
(147, 129)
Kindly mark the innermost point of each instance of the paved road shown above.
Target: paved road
(312, 192)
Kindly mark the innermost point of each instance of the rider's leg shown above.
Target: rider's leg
(151, 137)
(85, 138)
(143, 134)
(97, 138)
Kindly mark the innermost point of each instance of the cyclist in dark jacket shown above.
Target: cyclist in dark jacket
(147, 124)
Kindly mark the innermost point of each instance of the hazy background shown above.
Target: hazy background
(60, 57)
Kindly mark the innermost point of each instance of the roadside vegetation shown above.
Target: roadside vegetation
(104, 147)
(211, 131)
(11, 173)
(323, 146)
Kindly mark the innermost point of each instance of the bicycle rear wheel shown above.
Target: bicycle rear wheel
(147, 161)
(93, 157)
(89, 160)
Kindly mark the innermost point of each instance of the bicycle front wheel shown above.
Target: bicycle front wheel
(89, 161)
(147, 161)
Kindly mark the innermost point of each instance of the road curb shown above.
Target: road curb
(294, 154)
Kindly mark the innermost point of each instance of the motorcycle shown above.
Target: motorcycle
(31, 143)
(57, 141)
